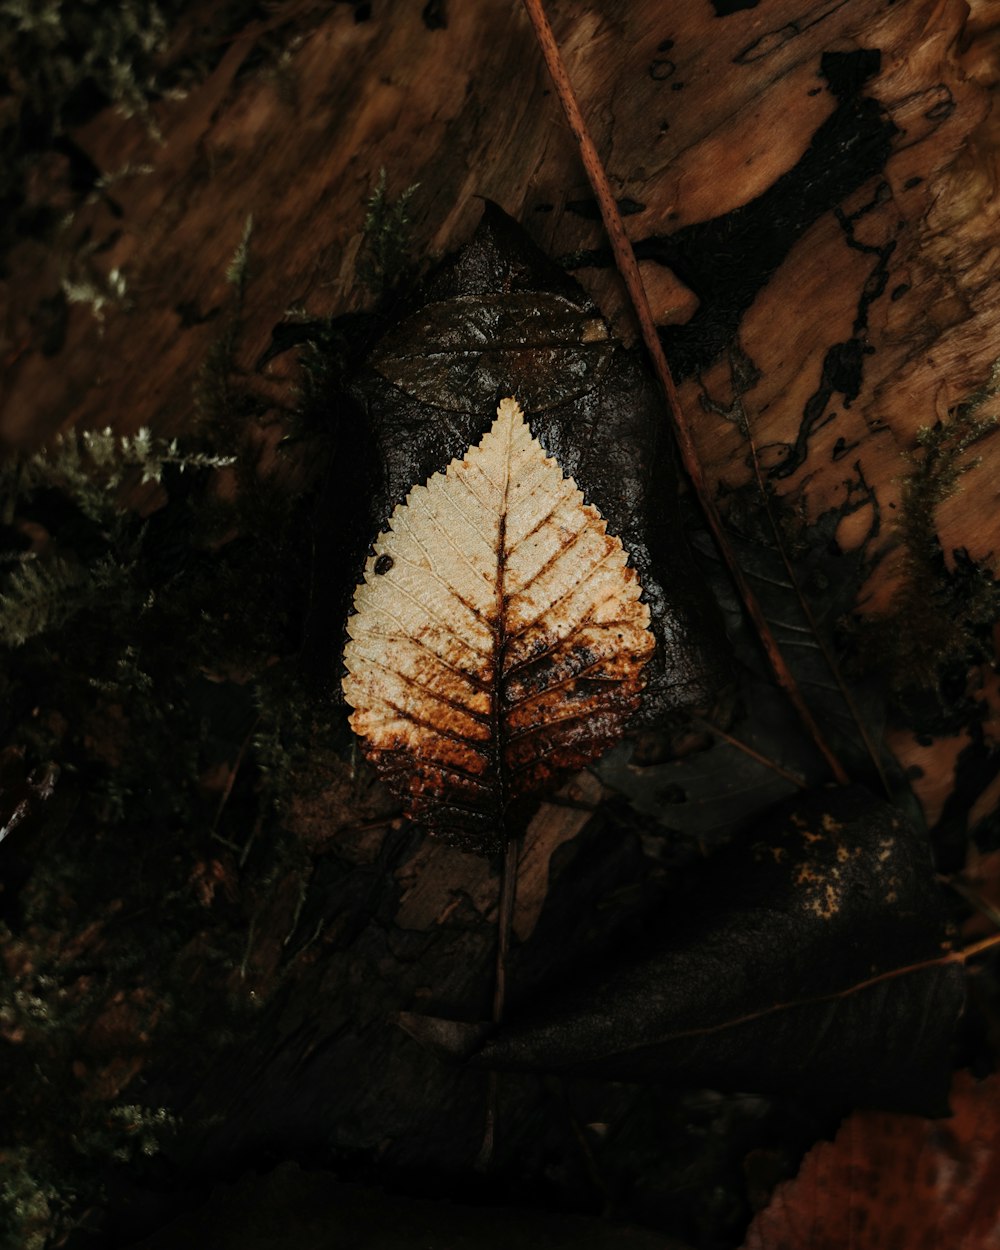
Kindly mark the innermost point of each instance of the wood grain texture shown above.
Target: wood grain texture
(689, 133)
(695, 116)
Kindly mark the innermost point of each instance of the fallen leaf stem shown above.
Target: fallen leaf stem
(505, 926)
(971, 951)
(505, 923)
(629, 270)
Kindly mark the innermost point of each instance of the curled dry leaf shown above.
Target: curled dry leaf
(498, 638)
(896, 1180)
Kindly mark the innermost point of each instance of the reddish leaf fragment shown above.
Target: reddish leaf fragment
(896, 1180)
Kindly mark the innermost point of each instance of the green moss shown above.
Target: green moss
(90, 466)
(66, 58)
(385, 247)
(61, 46)
(126, 1131)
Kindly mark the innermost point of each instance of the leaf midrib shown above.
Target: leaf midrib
(500, 639)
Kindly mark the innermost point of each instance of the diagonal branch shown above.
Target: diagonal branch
(629, 270)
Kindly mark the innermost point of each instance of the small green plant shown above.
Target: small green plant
(127, 1131)
(150, 654)
(43, 591)
(89, 466)
(98, 293)
(222, 402)
(386, 243)
(31, 1208)
(59, 45)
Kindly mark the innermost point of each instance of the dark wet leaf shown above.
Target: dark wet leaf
(611, 438)
(498, 638)
(461, 353)
(723, 789)
(713, 795)
(829, 579)
(797, 966)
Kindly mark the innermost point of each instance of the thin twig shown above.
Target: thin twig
(961, 956)
(258, 824)
(709, 727)
(629, 270)
(248, 948)
(968, 952)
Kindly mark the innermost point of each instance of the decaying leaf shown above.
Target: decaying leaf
(498, 638)
(894, 1180)
(802, 963)
(593, 407)
(460, 352)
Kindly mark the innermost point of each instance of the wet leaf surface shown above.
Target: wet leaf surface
(462, 352)
(829, 579)
(797, 966)
(714, 794)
